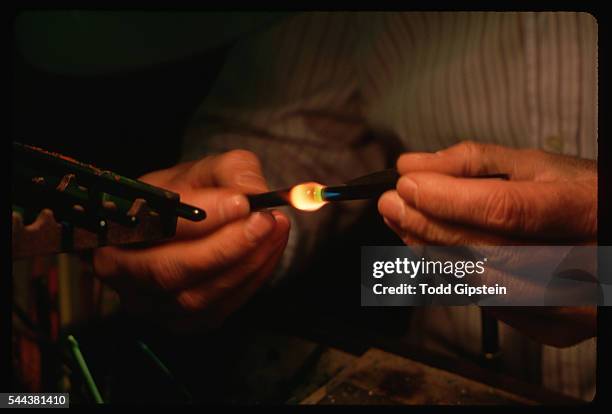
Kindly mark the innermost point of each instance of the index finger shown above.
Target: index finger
(513, 207)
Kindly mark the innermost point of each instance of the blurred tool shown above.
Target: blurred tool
(60, 205)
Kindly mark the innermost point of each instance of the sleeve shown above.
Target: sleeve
(291, 95)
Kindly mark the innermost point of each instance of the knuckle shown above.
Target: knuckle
(237, 168)
(471, 148)
(472, 153)
(167, 272)
(197, 172)
(240, 156)
(192, 301)
(468, 144)
(505, 209)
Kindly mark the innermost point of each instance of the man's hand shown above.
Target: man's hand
(548, 198)
(210, 268)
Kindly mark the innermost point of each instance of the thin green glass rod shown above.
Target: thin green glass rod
(91, 384)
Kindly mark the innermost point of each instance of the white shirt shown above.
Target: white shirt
(328, 96)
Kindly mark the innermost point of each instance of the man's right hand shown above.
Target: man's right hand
(210, 268)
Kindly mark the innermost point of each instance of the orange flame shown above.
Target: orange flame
(307, 196)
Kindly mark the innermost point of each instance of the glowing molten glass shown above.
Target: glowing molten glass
(307, 196)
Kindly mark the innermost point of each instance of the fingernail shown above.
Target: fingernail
(277, 214)
(279, 217)
(234, 207)
(258, 226)
(406, 187)
(391, 206)
(392, 225)
(252, 180)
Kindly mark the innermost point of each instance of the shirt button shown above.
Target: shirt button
(553, 143)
